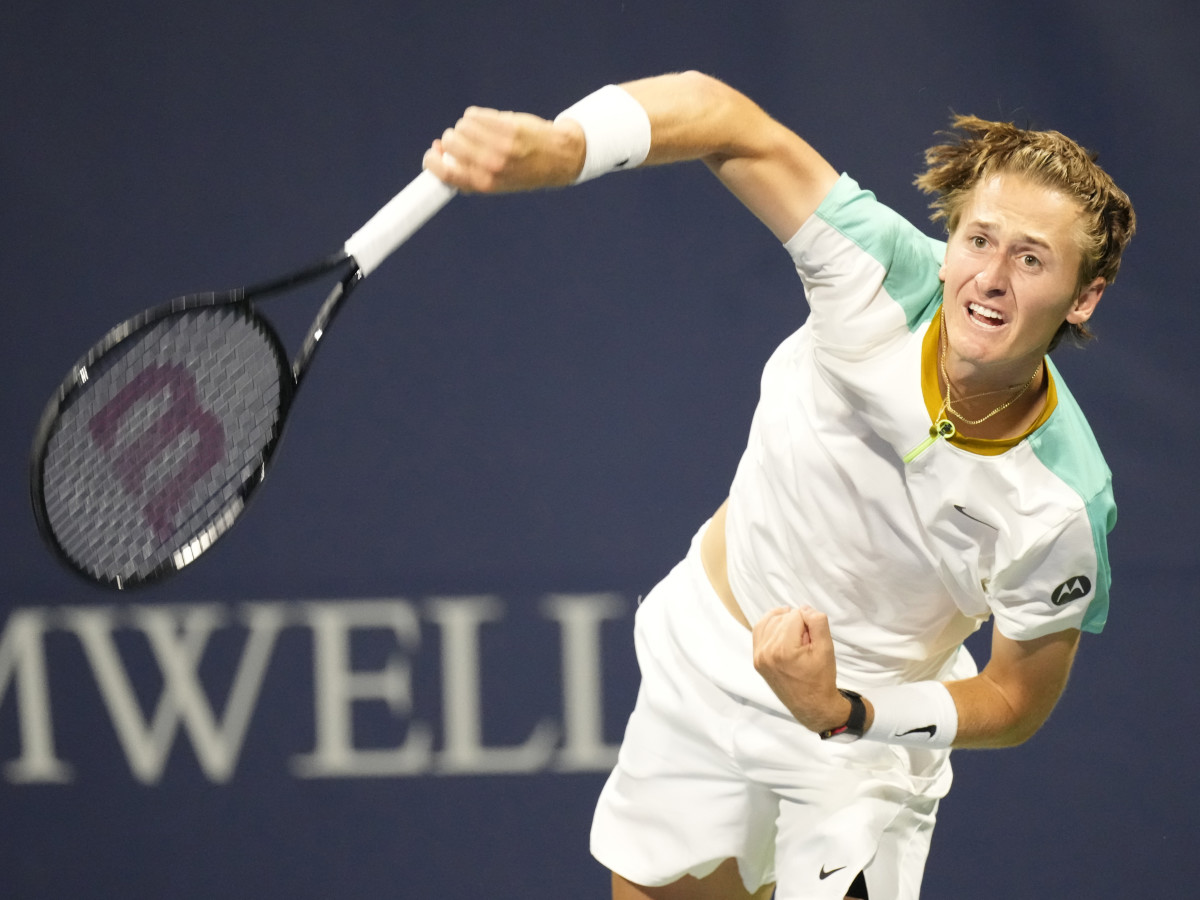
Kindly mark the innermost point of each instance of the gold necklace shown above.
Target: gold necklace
(948, 407)
(943, 427)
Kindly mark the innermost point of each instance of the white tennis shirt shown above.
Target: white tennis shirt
(906, 559)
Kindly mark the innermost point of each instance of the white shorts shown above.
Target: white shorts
(713, 767)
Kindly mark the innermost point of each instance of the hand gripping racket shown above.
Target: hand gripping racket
(154, 442)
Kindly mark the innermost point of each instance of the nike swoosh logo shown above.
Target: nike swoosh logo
(825, 874)
(973, 519)
(931, 730)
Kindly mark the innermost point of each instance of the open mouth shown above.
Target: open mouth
(980, 314)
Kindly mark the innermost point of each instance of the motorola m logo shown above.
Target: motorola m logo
(1071, 589)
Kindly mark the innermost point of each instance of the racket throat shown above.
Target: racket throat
(324, 318)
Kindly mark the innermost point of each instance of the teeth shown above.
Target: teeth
(986, 313)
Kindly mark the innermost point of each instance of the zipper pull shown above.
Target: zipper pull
(942, 428)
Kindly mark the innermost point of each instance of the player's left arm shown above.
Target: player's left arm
(1006, 703)
(1002, 706)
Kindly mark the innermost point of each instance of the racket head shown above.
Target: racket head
(154, 442)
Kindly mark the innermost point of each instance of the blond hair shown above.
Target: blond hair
(981, 148)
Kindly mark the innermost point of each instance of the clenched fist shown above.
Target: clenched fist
(793, 652)
(490, 151)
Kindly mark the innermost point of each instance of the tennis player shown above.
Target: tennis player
(915, 466)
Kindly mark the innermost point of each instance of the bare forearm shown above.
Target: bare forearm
(1006, 703)
(774, 172)
(988, 717)
(992, 714)
(989, 714)
(779, 177)
(694, 116)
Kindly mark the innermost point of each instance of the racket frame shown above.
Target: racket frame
(290, 372)
(363, 252)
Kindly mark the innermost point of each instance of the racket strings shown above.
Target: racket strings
(152, 456)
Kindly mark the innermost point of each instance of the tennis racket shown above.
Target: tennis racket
(154, 442)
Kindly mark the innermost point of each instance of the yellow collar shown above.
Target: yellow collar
(931, 391)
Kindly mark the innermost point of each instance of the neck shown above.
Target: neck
(974, 384)
(995, 415)
(990, 404)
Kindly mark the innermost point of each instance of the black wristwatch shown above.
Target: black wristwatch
(853, 729)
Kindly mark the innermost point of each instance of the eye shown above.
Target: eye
(978, 242)
(1030, 261)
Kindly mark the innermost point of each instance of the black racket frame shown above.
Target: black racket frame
(291, 373)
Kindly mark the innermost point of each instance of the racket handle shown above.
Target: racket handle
(398, 221)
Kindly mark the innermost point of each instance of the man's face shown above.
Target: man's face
(1011, 278)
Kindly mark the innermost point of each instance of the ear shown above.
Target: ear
(1085, 304)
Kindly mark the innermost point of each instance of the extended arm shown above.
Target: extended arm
(775, 173)
(1002, 706)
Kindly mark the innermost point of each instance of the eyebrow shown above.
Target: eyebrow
(1032, 239)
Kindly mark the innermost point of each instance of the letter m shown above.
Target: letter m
(23, 661)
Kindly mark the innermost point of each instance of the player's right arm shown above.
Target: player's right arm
(774, 172)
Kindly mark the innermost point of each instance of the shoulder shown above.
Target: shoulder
(1067, 446)
(858, 215)
(1068, 566)
(855, 240)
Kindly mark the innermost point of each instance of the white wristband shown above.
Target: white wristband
(616, 128)
(921, 714)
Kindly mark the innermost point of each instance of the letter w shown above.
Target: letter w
(177, 638)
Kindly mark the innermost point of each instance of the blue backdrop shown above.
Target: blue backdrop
(404, 673)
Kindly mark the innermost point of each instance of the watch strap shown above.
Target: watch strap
(852, 730)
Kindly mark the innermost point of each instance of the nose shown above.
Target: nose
(992, 279)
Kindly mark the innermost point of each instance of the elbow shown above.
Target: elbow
(711, 98)
(999, 734)
(1021, 722)
(1017, 733)
(700, 82)
(1024, 715)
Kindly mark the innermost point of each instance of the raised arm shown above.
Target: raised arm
(775, 173)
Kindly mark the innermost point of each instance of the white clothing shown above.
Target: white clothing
(713, 767)
(906, 559)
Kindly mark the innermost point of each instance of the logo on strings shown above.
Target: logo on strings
(182, 416)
